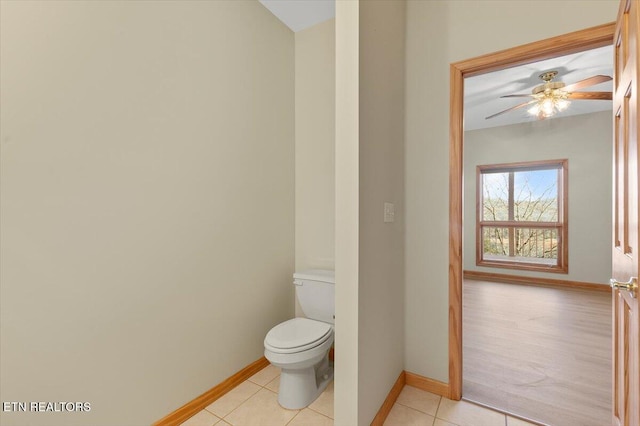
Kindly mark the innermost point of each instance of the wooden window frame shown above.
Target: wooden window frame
(562, 265)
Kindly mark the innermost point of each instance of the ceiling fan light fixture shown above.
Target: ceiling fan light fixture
(562, 104)
(547, 106)
(534, 110)
(550, 103)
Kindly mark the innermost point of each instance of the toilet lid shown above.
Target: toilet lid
(297, 333)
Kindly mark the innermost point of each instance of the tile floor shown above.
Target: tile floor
(255, 403)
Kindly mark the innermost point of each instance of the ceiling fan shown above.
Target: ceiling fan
(554, 96)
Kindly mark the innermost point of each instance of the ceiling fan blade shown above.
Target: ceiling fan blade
(512, 108)
(518, 95)
(603, 96)
(596, 79)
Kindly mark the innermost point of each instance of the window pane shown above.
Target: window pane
(495, 243)
(536, 245)
(535, 194)
(495, 196)
(512, 194)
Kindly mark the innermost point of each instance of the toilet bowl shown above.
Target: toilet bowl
(300, 347)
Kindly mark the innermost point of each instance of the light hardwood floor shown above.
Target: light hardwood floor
(538, 352)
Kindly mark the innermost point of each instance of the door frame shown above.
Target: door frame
(566, 44)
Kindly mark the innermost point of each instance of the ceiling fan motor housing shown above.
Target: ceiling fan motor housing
(548, 86)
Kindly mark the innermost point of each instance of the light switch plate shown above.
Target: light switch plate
(389, 212)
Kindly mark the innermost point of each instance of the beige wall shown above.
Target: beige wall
(315, 146)
(585, 140)
(347, 213)
(439, 33)
(147, 201)
(369, 172)
(381, 266)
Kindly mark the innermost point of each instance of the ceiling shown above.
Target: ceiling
(301, 14)
(483, 92)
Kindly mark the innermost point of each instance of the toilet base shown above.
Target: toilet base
(300, 387)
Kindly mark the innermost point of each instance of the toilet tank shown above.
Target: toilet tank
(315, 290)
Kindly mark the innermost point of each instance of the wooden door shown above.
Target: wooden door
(626, 253)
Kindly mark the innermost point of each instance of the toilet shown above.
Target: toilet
(300, 346)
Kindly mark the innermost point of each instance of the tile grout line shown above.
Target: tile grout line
(415, 409)
(266, 388)
(300, 410)
(296, 415)
(238, 406)
(316, 411)
(438, 409)
(223, 418)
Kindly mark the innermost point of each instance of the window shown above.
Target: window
(522, 216)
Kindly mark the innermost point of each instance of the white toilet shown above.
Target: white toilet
(300, 346)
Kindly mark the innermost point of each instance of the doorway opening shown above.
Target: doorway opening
(580, 41)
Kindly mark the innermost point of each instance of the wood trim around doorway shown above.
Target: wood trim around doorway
(578, 41)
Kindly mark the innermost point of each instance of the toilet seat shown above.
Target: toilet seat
(297, 335)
